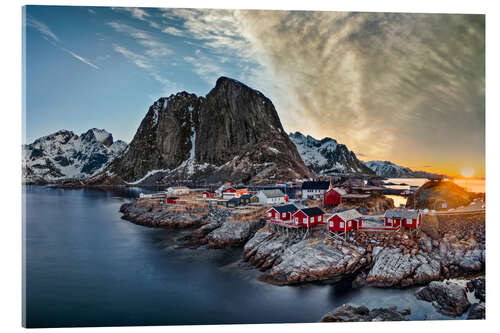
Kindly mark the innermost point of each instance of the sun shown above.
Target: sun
(467, 172)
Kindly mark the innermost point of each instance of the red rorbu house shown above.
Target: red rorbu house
(344, 221)
(208, 194)
(171, 200)
(281, 214)
(233, 192)
(333, 197)
(396, 218)
(308, 217)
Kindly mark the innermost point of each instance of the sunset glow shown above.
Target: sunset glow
(467, 172)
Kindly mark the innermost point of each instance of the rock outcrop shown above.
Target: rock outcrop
(290, 259)
(477, 311)
(352, 313)
(233, 133)
(391, 267)
(449, 298)
(435, 193)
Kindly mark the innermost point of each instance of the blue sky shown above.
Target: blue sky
(403, 87)
(102, 67)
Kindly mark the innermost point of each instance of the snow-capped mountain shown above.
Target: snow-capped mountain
(65, 155)
(390, 170)
(327, 156)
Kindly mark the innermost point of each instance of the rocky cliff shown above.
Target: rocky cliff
(233, 133)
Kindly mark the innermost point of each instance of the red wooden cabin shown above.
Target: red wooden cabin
(171, 200)
(281, 214)
(344, 221)
(411, 219)
(333, 197)
(308, 216)
(207, 194)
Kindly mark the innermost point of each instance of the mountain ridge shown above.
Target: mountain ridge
(64, 155)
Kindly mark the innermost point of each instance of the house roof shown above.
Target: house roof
(339, 191)
(273, 193)
(246, 196)
(319, 185)
(402, 213)
(234, 200)
(312, 211)
(290, 208)
(348, 215)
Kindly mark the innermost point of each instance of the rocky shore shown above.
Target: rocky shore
(290, 256)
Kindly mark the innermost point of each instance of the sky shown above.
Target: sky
(408, 88)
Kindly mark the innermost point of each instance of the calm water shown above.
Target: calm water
(87, 267)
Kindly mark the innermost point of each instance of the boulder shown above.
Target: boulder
(477, 311)
(448, 298)
(352, 313)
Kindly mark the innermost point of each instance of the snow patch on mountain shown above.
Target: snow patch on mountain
(388, 169)
(327, 156)
(64, 155)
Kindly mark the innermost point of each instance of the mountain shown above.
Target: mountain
(326, 156)
(64, 155)
(390, 170)
(233, 133)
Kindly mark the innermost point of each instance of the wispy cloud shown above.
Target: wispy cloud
(154, 47)
(138, 59)
(137, 13)
(82, 59)
(205, 67)
(91, 11)
(42, 28)
(51, 36)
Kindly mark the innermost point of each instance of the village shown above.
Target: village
(308, 205)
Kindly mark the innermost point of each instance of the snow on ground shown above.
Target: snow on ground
(274, 150)
(149, 174)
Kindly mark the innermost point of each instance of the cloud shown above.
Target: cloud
(173, 31)
(383, 83)
(137, 13)
(91, 11)
(42, 28)
(82, 59)
(138, 59)
(154, 48)
(205, 67)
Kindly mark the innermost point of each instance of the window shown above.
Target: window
(331, 224)
(269, 214)
(311, 219)
(283, 215)
(341, 224)
(349, 224)
(296, 220)
(321, 218)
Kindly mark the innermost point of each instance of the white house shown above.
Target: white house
(177, 190)
(271, 197)
(314, 189)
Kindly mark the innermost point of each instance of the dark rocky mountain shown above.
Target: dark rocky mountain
(327, 156)
(65, 155)
(390, 170)
(233, 133)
